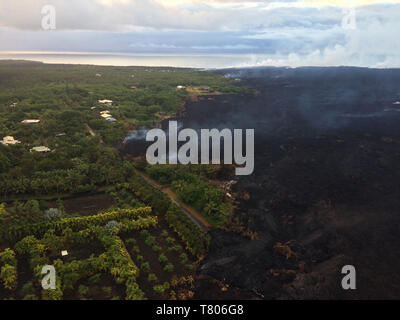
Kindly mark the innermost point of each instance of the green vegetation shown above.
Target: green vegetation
(107, 248)
(191, 185)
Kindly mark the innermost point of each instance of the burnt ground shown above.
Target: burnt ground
(326, 183)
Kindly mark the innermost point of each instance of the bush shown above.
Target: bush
(52, 214)
(169, 267)
(94, 279)
(165, 233)
(184, 258)
(145, 266)
(170, 240)
(131, 241)
(112, 226)
(150, 240)
(83, 290)
(175, 248)
(156, 248)
(152, 277)
(162, 258)
(159, 289)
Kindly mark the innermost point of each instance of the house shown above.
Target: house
(92, 108)
(110, 119)
(30, 121)
(107, 102)
(133, 87)
(104, 112)
(98, 74)
(9, 140)
(13, 105)
(62, 134)
(204, 89)
(64, 253)
(106, 115)
(41, 149)
(181, 87)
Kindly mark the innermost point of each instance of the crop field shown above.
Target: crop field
(118, 254)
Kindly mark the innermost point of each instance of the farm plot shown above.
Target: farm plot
(121, 254)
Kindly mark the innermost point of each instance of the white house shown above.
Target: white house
(41, 149)
(9, 140)
(30, 121)
(107, 102)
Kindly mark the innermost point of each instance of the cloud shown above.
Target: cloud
(291, 32)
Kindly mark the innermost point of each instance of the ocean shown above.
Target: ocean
(209, 61)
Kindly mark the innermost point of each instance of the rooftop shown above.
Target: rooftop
(40, 149)
(30, 121)
(9, 140)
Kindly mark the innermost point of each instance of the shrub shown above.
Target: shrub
(83, 290)
(184, 258)
(136, 249)
(152, 277)
(169, 267)
(131, 241)
(140, 258)
(159, 289)
(94, 279)
(145, 233)
(166, 285)
(145, 266)
(112, 226)
(165, 233)
(170, 240)
(156, 248)
(162, 258)
(150, 240)
(52, 214)
(107, 290)
(175, 248)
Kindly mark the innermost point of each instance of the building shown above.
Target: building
(204, 89)
(110, 119)
(106, 115)
(133, 87)
(30, 121)
(98, 74)
(9, 140)
(104, 112)
(181, 87)
(107, 102)
(41, 149)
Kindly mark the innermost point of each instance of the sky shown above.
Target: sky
(282, 32)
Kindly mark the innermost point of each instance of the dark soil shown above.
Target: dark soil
(326, 179)
(88, 205)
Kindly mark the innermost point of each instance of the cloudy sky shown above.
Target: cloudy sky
(284, 32)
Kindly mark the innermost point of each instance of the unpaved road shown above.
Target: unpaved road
(190, 212)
